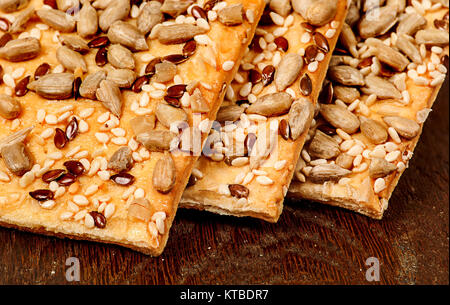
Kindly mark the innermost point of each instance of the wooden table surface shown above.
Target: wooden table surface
(311, 244)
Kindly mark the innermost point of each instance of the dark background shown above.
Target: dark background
(311, 244)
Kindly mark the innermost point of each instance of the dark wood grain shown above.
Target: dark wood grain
(311, 244)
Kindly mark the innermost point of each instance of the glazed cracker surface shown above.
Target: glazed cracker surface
(397, 66)
(249, 158)
(126, 175)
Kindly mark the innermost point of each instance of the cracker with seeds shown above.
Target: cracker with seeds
(381, 88)
(250, 156)
(103, 108)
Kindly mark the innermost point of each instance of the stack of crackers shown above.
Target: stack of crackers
(116, 112)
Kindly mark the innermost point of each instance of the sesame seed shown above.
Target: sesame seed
(91, 189)
(49, 204)
(280, 31)
(66, 215)
(104, 175)
(60, 191)
(361, 168)
(379, 184)
(102, 137)
(26, 179)
(228, 65)
(9, 80)
(313, 66)
(330, 33)
(152, 227)
(81, 154)
(51, 119)
(250, 15)
(277, 19)
(394, 135)
(109, 210)
(264, 180)
(139, 193)
(80, 200)
(57, 155)
(392, 156)
(239, 178)
(89, 221)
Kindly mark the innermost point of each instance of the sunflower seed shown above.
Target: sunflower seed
(101, 4)
(155, 140)
(353, 14)
(198, 102)
(75, 43)
(373, 130)
(380, 168)
(345, 161)
(21, 20)
(382, 88)
(300, 116)
(231, 15)
(142, 124)
(141, 209)
(164, 174)
(70, 59)
(116, 10)
(281, 7)
(164, 72)
(348, 39)
(57, 20)
(149, 16)
(175, 7)
(17, 158)
(20, 49)
(410, 24)
(10, 6)
(405, 127)
(229, 113)
(377, 21)
(124, 78)
(432, 37)
(91, 83)
(109, 94)
(316, 12)
(273, 104)
(64, 5)
(327, 172)
(120, 57)
(387, 54)
(121, 160)
(10, 108)
(323, 146)
(346, 94)
(346, 75)
(407, 47)
(178, 33)
(18, 136)
(167, 114)
(340, 117)
(128, 35)
(55, 86)
(87, 24)
(288, 70)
